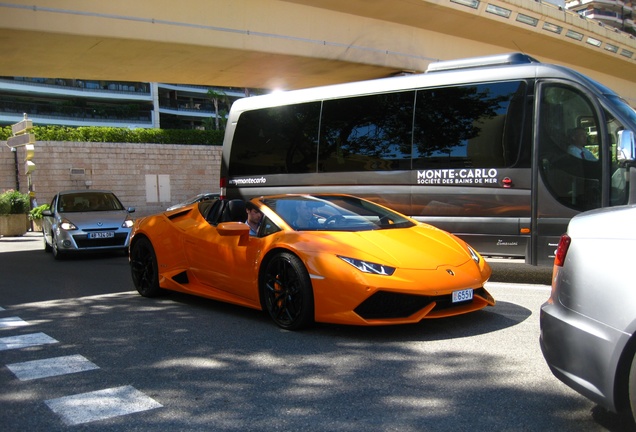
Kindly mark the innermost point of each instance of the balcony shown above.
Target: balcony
(11, 111)
(77, 88)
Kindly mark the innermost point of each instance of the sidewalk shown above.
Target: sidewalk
(29, 241)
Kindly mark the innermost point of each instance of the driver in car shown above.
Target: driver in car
(304, 216)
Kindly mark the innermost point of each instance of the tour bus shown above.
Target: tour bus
(483, 148)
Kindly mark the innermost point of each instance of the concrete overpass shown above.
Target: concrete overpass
(295, 43)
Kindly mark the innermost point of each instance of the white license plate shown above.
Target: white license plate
(101, 235)
(462, 295)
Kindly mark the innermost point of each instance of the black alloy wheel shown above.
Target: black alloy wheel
(286, 292)
(143, 267)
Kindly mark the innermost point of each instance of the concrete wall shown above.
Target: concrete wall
(149, 177)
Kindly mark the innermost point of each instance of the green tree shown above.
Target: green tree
(217, 98)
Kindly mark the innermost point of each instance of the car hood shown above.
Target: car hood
(419, 247)
(97, 219)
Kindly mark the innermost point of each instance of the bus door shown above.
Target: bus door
(575, 166)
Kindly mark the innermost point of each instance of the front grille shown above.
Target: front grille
(83, 242)
(387, 305)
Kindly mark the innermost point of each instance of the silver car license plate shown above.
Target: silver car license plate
(101, 235)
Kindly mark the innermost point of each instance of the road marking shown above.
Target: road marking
(23, 341)
(12, 322)
(36, 369)
(79, 301)
(101, 404)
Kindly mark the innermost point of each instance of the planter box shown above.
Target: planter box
(37, 225)
(13, 225)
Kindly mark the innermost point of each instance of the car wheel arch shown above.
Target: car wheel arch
(136, 238)
(622, 377)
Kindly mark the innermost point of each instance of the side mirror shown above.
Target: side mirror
(233, 229)
(47, 213)
(237, 229)
(626, 150)
(131, 209)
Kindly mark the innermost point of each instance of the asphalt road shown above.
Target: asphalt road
(183, 363)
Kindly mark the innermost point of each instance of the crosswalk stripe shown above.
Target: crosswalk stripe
(23, 341)
(12, 322)
(44, 368)
(101, 404)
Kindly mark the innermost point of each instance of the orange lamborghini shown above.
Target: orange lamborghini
(312, 258)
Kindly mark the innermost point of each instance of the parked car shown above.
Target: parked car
(195, 199)
(349, 261)
(86, 220)
(588, 323)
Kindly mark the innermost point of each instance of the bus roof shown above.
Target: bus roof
(465, 71)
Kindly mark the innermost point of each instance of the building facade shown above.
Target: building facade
(77, 102)
(618, 14)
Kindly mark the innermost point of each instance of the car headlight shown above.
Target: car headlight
(67, 225)
(369, 267)
(474, 255)
(128, 223)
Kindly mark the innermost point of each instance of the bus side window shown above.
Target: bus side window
(471, 126)
(276, 140)
(571, 174)
(367, 133)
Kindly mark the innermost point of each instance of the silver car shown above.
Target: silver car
(588, 325)
(86, 220)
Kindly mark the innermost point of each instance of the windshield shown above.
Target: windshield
(625, 110)
(334, 213)
(87, 202)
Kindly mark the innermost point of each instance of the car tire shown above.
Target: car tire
(143, 267)
(286, 292)
(632, 387)
(57, 253)
(47, 247)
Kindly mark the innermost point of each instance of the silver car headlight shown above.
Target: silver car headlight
(67, 225)
(128, 223)
(369, 267)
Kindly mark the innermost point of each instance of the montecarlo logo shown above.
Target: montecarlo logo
(457, 176)
(248, 181)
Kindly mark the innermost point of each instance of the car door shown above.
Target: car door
(223, 258)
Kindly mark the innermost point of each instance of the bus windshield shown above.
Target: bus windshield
(623, 107)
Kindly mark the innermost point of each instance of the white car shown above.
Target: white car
(86, 220)
(588, 326)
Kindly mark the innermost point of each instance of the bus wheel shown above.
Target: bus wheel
(286, 292)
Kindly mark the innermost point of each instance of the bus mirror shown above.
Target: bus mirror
(626, 150)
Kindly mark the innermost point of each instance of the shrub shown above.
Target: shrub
(36, 213)
(122, 135)
(14, 202)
